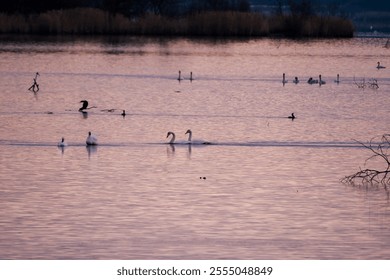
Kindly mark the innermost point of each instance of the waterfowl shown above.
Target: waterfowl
(179, 78)
(84, 106)
(321, 82)
(284, 78)
(191, 77)
(200, 142)
(292, 116)
(123, 113)
(296, 80)
(311, 81)
(173, 137)
(62, 143)
(337, 79)
(91, 140)
(379, 66)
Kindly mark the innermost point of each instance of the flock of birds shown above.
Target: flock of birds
(93, 141)
(319, 81)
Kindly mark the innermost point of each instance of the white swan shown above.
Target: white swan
(62, 143)
(91, 140)
(173, 137)
(199, 142)
(379, 66)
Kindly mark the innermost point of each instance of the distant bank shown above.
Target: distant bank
(91, 21)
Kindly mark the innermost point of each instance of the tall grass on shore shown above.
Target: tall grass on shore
(95, 22)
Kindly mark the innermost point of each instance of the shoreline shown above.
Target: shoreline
(92, 21)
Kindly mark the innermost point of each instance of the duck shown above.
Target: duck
(91, 140)
(379, 66)
(292, 117)
(62, 143)
(170, 133)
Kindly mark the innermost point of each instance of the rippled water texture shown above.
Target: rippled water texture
(266, 188)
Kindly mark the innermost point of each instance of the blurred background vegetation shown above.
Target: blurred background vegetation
(294, 18)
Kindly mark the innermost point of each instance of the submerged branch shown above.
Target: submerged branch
(379, 150)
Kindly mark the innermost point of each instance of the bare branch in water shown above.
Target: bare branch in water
(372, 176)
(372, 83)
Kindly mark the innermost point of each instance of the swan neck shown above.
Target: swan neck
(173, 138)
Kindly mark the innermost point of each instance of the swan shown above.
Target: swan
(179, 78)
(321, 82)
(191, 77)
(311, 81)
(91, 140)
(123, 113)
(337, 79)
(296, 80)
(84, 106)
(201, 142)
(379, 66)
(284, 78)
(62, 143)
(173, 137)
(292, 116)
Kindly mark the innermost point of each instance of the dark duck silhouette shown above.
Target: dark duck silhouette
(292, 117)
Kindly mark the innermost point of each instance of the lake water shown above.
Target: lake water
(267, 188)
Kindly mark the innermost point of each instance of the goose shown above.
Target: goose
(173, 137)
(321, 82)
(91, 140)
(201, 142)
(62, 143)
(379, 66)
(292, 117)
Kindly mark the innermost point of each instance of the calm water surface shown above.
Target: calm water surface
(267, 187)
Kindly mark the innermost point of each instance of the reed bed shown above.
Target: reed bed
(95, 22)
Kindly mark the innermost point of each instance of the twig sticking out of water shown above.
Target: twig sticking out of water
(380, 150)
(35, 86)
(372, 83)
